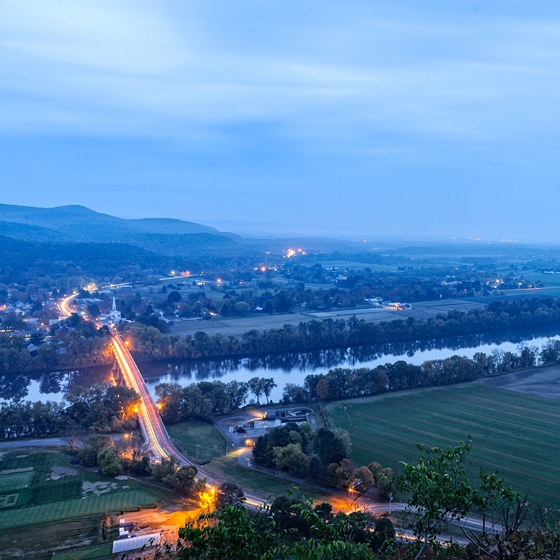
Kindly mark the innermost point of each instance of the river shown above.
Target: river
(294, 367)
(284, 368)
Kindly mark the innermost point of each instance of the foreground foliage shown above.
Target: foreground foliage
(234, 534)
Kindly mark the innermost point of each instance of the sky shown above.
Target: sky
(341, 118)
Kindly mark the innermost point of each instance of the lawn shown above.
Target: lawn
(513, 433)
(15, 481)
(56, 490)
(76, 507)
(192, 433)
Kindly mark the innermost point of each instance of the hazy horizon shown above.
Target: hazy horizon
(355, 119)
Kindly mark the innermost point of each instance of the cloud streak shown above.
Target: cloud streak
(246, 91)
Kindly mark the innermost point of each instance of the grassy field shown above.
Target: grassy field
(55, 490)
(261, 483)
(94, 552)
(513, 433)
(546, 279)
(187, 435)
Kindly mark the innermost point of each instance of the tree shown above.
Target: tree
(165, 469)
(173, 297)
(242, 308)
(237, 393)
(322, 389)
(232, 534)
(384, 536)
(256, 387)
(344, 473)
(292, 459)
(91, 448)
(287, 517)
(93, 311)
(108, 461)
(229, 494)
(440, 491)
(315, 470)
(267, 385)
(294, 394)
(376, 470)
(330, 446)
(362, 480)
(385, 484)
(182, 479)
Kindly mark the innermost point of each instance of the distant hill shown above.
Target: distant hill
(28, 232)
(78, 224)
(61, 259)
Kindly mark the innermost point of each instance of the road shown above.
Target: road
(150, 420)
(63, 305)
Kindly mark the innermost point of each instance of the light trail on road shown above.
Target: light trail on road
(154, 430)
(63, 306)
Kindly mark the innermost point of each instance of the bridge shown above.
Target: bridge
(154, 432)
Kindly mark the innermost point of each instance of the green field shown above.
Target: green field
(258, 482)
(15, 481)
(55, 490)
(90, 553)
(513, 433)
(187, 435)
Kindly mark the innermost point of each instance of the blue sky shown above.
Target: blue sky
(367, 119)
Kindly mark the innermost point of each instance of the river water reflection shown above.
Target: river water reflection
(294, 367)
(284, 368)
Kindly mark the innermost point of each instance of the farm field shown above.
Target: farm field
(514, 433)
(237, 326)
(546, 279)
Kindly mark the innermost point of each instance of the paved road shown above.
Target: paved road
(63, 305)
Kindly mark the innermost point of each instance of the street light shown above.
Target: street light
(197, 446)
(390, 502)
